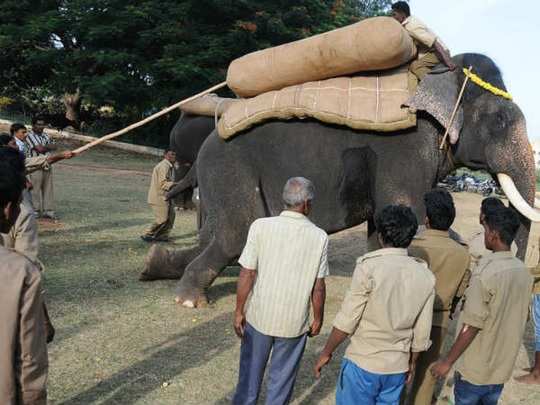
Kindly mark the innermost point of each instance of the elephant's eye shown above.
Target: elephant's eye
(501, 120)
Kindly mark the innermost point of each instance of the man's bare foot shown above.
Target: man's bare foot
(531, 378)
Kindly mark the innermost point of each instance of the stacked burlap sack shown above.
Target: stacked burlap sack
(312, 78)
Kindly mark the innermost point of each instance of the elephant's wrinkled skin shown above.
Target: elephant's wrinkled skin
(355, 174)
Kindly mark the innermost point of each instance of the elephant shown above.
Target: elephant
(355, 173)
(186, 138)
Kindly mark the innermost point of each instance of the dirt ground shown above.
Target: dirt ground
(120, 341)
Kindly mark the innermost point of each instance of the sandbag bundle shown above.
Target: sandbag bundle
(367, 101)
(377, 43)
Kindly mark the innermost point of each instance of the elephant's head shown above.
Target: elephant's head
(492, 133)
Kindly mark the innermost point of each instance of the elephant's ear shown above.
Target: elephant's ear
(437, 95)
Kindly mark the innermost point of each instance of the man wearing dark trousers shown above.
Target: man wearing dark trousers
(284, 264)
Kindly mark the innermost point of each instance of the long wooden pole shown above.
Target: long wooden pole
(453, 116)
(146, 120)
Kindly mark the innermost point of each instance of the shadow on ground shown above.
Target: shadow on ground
(164, 362)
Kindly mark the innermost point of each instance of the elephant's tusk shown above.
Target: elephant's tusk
(514, 196)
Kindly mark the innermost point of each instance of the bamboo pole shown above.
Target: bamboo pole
(147, 119)
(453, 116)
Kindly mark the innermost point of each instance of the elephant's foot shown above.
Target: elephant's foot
(191, 290)
(161, 263)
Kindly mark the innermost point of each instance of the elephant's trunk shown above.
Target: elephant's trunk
(517, 177)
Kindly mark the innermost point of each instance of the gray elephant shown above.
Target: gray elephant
(356, 173)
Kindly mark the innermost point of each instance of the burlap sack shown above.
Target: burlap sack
(367, 101)
(210, 105)
(373, 44)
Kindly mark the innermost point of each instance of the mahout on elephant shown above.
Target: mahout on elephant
(356, 173)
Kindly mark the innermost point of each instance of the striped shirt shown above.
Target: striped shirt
(33, 139)
(289, 253)
(21, 145)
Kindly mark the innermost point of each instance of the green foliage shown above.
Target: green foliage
(141, 55)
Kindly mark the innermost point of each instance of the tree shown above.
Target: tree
(141, 55)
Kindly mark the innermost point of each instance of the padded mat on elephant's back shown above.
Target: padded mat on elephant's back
(372, 101)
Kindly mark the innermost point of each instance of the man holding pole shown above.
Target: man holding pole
(39, 144)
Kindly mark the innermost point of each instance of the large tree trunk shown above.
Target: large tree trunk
(73, 108)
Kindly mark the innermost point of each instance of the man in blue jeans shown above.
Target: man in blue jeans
(494, 317)
(533, 377)
(387, 314)
(284, 264)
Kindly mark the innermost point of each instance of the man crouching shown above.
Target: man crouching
(386, 314)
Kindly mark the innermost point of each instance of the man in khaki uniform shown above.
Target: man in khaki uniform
(533, 376)
(23, 236)
(162, 181)
(386, 313)
(23, 347)
(494, 317)
(449, 262)
(39, 144)
(431, 50)
(477, 247)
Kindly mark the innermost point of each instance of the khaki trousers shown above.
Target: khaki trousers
(424, 383)
(164, 221)
(422, 66)
(42, 191)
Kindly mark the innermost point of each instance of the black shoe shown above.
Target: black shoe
(147, 238)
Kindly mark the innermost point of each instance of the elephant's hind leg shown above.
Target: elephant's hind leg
(161, 263)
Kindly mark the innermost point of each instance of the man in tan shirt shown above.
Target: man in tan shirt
(533, 376)
(449, 262)
(284, 264)
(162, 181)
(23, 236)
(494, 317)
(431, 50)
(39, 144)
(23, 347)
(386, 314)
(477, 247)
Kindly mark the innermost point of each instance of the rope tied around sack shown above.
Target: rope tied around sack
(485, 85)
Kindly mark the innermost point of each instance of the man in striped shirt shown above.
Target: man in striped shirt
(38, 144)
(284, 264)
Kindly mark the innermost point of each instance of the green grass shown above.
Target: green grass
(120, 341)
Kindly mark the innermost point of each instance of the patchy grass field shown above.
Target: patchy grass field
(120, 341)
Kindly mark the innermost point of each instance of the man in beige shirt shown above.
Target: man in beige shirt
(494, 317)
(23, 236)
(386, 314)
(477, 247)
(23, 347)
(533, 375)
(284, 264)
(449, 262)
(39, 144)
(162, 181)
(431, 50)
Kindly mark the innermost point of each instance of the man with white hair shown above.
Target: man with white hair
(284, 264)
